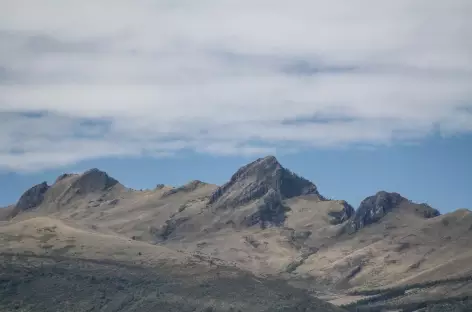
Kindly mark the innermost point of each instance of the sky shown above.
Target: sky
(357, 96)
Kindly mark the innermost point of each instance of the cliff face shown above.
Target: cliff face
(30, 199)
(93, 180)
(374, 208)
(267, 184)
(254, 180)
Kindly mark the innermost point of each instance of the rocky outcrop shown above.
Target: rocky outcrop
(160, 186)
(374, 208)
(93, 180)
(70, 187)
(342, 215)
(166, 230)
(32, 198)
(270, 211)
(265, 184)
(256, 179)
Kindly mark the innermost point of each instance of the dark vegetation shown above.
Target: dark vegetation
(403, 288)
(458, 304)
(394, 298)
(33, 283)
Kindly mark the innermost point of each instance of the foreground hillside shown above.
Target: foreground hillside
(49, 266)
(55, 283)
(389, 253)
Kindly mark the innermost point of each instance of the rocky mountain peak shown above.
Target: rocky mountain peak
(65, 189)
(93, 180)
(254, 181)
(374, 208)
(160, 186)
(258, 169)
(31, 198)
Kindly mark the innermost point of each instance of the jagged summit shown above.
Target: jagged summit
(270, 159)
(89, 181)
(65, 188)
(71, 186)
(255, 180)
(30, 199)
(374, 208)
(93, 180)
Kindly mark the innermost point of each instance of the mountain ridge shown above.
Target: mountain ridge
(265, 220)
(276, 185)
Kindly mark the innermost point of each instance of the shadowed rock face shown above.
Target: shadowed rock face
(270, 211)
(31, 198)
(374, 208)
(343, 215)
(255, 180)
(94, 180)
(264, 183)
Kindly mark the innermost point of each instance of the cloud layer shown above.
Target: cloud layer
(89, 79)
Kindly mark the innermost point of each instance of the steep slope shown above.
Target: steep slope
(261, 187)
(255, 180)
(374, 208)
(32, 198)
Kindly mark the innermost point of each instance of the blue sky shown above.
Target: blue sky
(340, 91)
(437, 171)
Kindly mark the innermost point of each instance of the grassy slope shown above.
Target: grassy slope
(47, 265)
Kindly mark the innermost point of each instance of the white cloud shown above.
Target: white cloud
(126, 78)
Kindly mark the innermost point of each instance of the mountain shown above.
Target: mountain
(265, 184)
(265, 224)
(66, 189)
(257, 179)
(374, 208)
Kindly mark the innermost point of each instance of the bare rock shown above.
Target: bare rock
(374, 208)
(32, 198)
(160, 186)
(338, 217)
(93, 180)
(265, 184)
(255, 180)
